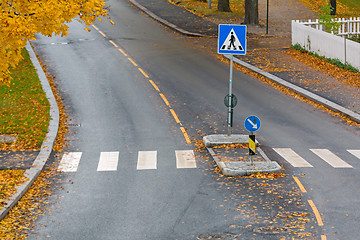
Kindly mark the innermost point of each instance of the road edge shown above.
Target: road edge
(46, 147)
(165, 22)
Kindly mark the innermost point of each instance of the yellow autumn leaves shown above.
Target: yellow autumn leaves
(20, 20)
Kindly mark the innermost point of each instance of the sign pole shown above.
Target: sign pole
(267, 17)
(252, 146)
(230, 112)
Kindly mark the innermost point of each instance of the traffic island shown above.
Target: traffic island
(231, 155)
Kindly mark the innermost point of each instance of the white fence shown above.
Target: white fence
(349, 27)
(311, 37)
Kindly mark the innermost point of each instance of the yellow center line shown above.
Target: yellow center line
(154, 85)
(103, 34)
(132, 61)
(316, 212)
(164, 98)
(175, 116)
(185, 135)
(95, 27)
(142, 71)
(113, 43)
(299, 184)
(120, 50)
(323, 237)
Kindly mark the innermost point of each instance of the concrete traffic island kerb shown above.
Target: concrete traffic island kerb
(238, 168)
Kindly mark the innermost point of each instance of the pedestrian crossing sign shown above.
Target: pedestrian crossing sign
(232, 39)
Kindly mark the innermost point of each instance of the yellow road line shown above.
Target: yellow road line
(103, 34)
(323, 237)
(132, 61)
(175, 116)
(113, 43)
(164, 98)
(316, 212)
(120, 50)
(185, 135)
(142, 71)
(95, 27)
(299, 184)
(154, 85)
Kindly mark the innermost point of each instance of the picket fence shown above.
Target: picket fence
(349, 27)
(312, 37)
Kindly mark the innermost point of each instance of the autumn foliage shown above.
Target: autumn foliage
(20, 20)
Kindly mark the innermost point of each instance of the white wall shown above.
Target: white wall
(325, 44)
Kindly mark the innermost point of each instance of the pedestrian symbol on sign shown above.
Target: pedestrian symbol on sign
(232, 39)
(232, 42)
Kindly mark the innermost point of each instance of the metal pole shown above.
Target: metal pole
(267, 17)
(230, 94)
(209, 4)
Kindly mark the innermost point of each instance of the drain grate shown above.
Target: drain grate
(74, 125)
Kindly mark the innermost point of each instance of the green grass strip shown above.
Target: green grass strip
(24, 108)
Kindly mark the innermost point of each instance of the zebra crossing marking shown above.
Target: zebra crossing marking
(331, 158)
(292, 157)
(185, 159)
(108, 161)
(70, 161)
(356, 153)
(147, 160)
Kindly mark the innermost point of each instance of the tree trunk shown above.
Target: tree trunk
(251, 12)
(333, 7)
(223, 6)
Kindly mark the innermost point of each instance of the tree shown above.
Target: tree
(333, 7)
(224, 6)
(20, 20)
(251, 12)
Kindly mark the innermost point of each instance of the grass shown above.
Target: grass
(344, 8)
(24, 108)
(201, 9)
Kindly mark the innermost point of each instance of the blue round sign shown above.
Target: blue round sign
(252, 123)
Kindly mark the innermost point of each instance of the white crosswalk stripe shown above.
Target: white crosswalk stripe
(108, 161)
(185, 159)
(331, 158)
(292, 157)
(147, 160)
(70, 161)
(356, 153)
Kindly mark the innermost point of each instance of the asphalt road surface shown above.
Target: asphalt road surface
(126, 178)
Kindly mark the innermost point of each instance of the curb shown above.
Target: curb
(238, 168)
(47, 144)
(301, 91)
(164, 22)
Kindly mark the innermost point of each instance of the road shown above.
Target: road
(129, 135)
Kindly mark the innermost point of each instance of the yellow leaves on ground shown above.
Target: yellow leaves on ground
(21, 218)
(349, 78)
(233, 146)
(9, 180)
(20, 20)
